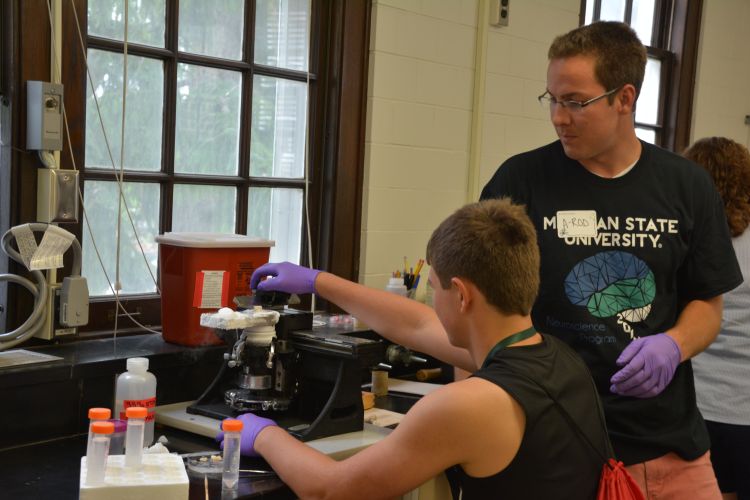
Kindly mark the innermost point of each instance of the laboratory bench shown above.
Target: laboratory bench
(51, 470)
(44, 421)
(50, 400)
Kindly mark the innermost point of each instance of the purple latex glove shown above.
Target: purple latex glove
(251, 427)
(287, 277)
(649, 365)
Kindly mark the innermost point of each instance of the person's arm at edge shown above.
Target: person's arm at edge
(697, 326)
(400, 320)
(438, 432)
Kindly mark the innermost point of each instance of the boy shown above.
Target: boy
(497, 432)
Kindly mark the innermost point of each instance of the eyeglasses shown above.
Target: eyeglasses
(548, 99)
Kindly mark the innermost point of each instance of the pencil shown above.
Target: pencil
(419, 266)
(416, 283)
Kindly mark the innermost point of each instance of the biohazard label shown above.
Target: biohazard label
(149, 404)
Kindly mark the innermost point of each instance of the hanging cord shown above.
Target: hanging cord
(119, 304)
(121, 197)
(40, 290)
(109, 149)
(80, 194)
(307, 160)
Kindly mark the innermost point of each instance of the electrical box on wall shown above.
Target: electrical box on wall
(52, 327)
(44, 117)
(57, 195)
(499, 12)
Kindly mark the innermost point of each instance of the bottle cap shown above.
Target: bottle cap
(231, 425)
(102, 427)
(120, 425)
(137, 364)
(136, 412)
(99, 413)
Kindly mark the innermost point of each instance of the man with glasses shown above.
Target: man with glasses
(636, 255)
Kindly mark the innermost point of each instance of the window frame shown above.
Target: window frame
(674, 41)
(336, 123)
(167, 178)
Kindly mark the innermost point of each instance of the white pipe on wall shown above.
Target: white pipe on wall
(477, 115)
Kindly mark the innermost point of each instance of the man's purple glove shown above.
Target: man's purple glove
(287, 277)
(649, 365)
(251, 427)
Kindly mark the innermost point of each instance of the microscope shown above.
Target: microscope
(279, 365)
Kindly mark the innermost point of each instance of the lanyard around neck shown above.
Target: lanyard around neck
(512, 339)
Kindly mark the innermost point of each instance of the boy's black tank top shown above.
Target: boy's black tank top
(553, 461)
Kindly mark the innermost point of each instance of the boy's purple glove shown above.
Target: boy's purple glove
(649, 365)
(287, 277)
(251, 426)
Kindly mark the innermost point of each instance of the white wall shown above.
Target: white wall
(513, 120)
(418, 122)
(721, 98)
(426, 152)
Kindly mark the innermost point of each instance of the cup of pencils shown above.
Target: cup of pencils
(411, 277)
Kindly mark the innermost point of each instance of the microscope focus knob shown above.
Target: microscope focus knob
(398, 354)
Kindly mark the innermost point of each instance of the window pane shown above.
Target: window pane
(647, 109)
(646, 134)
(207, 134)
(612, 10)
(145, 20)
(100, 201)
(276, 214)
(204, 208)
(589, 12)
(642, 19)
(277, 146)
(281, 33)
(143, 116)
(212, 28)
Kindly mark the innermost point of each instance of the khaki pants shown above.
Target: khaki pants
(670, 477)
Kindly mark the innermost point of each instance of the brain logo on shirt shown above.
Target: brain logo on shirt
(612, 283)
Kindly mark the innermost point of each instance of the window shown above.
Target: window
(669, 29)
(216, 126)
(234, 83)
(161, 175)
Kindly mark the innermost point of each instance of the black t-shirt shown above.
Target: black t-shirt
(661, 240)
(553, 460)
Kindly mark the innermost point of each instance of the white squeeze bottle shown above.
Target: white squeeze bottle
(137, 387)
(396, 285)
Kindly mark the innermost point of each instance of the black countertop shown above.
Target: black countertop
(50, 400)
(52, 470)
(42, 430)
(45, 413)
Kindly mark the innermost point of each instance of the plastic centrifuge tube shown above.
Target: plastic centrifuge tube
(96, 458)
(231, 464)
(96, 415)
(134, 435)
